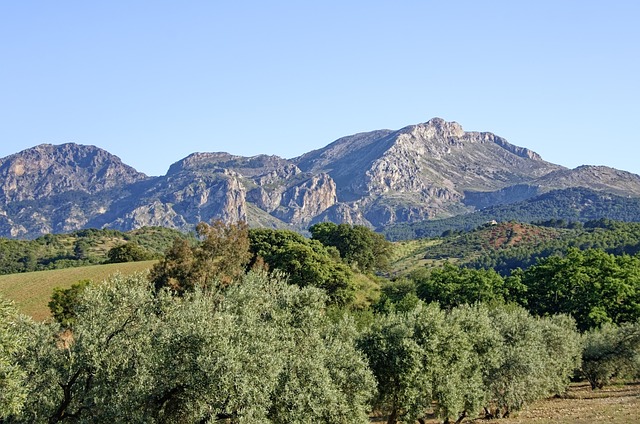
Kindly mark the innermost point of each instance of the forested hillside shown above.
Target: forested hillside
(84, 247)
(572, 205)
(506, 246)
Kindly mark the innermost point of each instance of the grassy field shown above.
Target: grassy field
(32, 290)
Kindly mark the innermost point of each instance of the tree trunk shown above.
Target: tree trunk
(393, 417)
(461, 417)
(487, 414)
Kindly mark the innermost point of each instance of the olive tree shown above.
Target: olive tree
(247, 353)
(13, 343)
(468, 355)
(611, 351)
(397, 362)
(536, 358)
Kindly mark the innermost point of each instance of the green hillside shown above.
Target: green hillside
(509, 245)
(79, 248)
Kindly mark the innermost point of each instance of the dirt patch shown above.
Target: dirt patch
(617, 404)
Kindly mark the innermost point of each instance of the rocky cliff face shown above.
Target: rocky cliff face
(430, 170)
(421, 171)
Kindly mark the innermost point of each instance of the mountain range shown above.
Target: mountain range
(421, 172)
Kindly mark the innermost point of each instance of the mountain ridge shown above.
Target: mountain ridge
(420, 172)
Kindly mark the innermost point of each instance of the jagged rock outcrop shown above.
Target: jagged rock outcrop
(154, 214)
(301, 203)
(424, 171)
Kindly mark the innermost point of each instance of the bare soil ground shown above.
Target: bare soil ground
(616, 404)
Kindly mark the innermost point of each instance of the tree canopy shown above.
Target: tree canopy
(13, 344)
(499, 358)
(358, 245)
(263, 352)
(128, 252)
(306, 262)
(594, 286)
(218, 259)
(453, 286)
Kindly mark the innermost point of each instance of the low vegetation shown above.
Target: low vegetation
(261, 325)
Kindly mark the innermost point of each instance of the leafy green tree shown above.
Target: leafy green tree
(81, 249)
(466, 356)
(399, 295)
(536, 358)
(593, 286)
(611, 351)
(128, 252)
(176, 268)
(452, 286)
(93, 372)
(358, 245)
(219, 259)
(563, 351)
(306, 262)
(63, 302)
(398, 364)
(446, 351)
(324, 377)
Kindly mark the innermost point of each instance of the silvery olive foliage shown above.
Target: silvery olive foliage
(260, 351)
(471, 358)
(611, 351)
(13, 343)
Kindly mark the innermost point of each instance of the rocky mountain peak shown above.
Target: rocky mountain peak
(47, 170)
(246, 166)
(434, 128)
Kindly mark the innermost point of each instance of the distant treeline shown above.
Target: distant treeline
(478, 249)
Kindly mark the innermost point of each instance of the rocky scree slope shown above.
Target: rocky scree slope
(430, 170)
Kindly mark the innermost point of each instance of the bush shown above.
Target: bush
(64, 301)
(128, 252)
(611, 351)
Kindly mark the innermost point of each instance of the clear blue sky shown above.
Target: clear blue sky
(153, 81)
